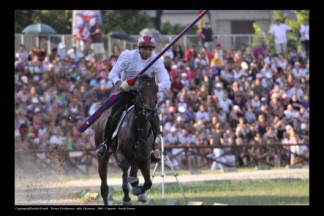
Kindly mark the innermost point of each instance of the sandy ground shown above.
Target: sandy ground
(44, 187)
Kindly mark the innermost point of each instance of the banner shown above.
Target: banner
(80, 17)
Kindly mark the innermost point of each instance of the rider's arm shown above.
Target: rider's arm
(120, 66)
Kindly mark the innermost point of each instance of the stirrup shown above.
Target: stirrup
(101, 150)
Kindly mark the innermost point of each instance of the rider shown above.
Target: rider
(128, 65)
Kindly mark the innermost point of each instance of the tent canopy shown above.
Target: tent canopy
(39, 29)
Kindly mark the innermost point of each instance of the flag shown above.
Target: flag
(200, 22)
(79, 17)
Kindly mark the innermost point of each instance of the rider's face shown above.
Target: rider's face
(146, 52)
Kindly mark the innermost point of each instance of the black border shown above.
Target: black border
(8, 86)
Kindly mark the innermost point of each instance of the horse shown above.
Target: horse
(128, 153)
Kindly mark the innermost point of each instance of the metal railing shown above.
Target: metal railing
(188, 151)
(228, 41)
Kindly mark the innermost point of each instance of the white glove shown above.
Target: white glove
(125, 87)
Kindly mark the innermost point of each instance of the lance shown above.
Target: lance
(108, 103)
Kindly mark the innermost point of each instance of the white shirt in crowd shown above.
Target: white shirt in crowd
(58, 140)
(290, 115)
(171, 138)
(219, 93)
(298, 92)
(304, 32)
(203, 116)
(298, 73)
(225, 104)
(280, 32)
(183, 139)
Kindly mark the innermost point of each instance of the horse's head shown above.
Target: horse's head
(146, 97)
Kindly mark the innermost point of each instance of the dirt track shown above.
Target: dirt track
(43, 188)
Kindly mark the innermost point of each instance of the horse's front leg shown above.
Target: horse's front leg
(145, 169)
(132, 179)
(126, 200)
(102, 169)
(124, 165)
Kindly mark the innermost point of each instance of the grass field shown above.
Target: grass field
(275, 192)
(278, 186)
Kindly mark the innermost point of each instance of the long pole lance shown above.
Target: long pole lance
(132, 81)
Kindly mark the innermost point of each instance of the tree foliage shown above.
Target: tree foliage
(128, 21)
(23, 18)
(168, 28)
(60, 20)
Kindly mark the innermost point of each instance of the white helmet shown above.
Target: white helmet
(146, 41)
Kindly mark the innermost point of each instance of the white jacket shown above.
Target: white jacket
(130, 63)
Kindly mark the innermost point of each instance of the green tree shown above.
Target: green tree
(168, 28)
(23, 18)
(128, 21)
(60, 20)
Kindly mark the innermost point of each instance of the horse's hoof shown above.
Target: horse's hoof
(137, 190)
(141, 198)
(127, 203)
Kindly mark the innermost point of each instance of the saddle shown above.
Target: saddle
(118, 113)
(119, 122)
(115, 117)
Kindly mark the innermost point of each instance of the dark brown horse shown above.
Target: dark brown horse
(128, 154)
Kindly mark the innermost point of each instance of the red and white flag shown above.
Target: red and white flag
(80, 17)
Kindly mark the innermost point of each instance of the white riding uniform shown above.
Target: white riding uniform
(130, 63)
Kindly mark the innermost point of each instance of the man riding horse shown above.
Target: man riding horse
(127, 66)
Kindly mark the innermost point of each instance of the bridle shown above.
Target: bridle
(142, 109)
(143, 113)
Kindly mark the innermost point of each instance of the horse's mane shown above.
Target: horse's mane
(145, 77)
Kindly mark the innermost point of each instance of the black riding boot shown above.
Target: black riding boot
(107, 143)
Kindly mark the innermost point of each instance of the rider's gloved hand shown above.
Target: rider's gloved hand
(125, 87)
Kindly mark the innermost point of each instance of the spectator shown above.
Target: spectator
(219, 50)
(61, 51)
(249, 115)
(191, 52)
(256, 51)
(279, 31)
(177, 52)
(97, 41)
(22, 53)
(74, 53)
(206, 35)
(298, 72)
(42, 53)
(304, 35)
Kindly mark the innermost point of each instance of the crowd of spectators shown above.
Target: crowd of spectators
(220, 97)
